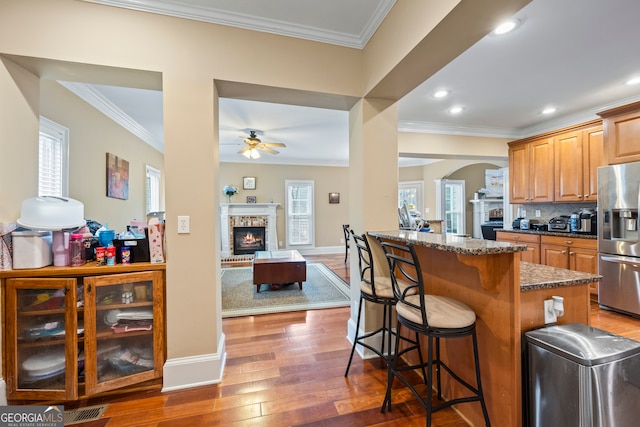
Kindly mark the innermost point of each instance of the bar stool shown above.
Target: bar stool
(436, 318)
(377, 289)
(345, 230)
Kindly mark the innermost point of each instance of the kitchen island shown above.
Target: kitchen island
(507, 297)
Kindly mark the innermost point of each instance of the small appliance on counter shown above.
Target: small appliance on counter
(528, 224)
(583, 222)
(559, 224)
(516, 223)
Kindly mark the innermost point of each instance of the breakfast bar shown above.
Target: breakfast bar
(507, 296)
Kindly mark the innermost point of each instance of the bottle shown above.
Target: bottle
(60, 249)
(111, 255)
(76, 250)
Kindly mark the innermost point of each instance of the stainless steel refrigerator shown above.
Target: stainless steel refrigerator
(618, 244)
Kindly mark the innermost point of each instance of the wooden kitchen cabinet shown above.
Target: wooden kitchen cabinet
(531, 171)
(572, 253)
(622, 133)
(532, 241)
(74, 332)
(577, 156)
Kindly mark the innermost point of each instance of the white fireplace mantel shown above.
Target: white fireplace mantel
(248, 209)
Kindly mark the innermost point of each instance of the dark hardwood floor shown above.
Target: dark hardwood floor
(288, 370)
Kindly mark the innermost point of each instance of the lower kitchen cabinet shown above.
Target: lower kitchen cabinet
(532, 254)
(573, 253)
(89, 330)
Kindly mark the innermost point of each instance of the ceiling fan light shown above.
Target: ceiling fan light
(251, 154)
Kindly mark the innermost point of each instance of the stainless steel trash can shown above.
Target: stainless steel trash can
(581, 376)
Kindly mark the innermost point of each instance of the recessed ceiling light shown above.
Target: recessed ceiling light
(441, 93)
(633, 81)
(455, 110)
(505, 27)
(549, 110)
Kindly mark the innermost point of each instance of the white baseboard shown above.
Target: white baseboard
(193, 371)
(3, 393)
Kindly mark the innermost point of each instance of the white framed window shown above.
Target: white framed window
(451, 206)
(411, 192)
(152, 189)
(299, 213)
(53, 159)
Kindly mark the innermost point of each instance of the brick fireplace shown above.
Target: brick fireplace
(247, 215)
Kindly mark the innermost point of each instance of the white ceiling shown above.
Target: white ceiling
(575, 55)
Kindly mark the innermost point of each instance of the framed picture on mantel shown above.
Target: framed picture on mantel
(249, 183)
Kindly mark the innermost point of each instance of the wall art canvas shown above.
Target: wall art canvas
(117, 177)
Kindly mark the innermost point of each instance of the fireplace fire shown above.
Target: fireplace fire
(248, 240)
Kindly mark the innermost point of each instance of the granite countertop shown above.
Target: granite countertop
(551, 233)
(538, 276)
(532, 276)
(450, 242)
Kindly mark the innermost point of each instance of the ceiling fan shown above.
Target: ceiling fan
(254, 146)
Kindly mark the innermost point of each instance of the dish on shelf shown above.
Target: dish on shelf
(44, 365)
(112, 317)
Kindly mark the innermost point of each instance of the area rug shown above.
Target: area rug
(323, 289)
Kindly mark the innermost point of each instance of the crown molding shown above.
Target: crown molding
(109, 109)
(239, 20)
(446, 129)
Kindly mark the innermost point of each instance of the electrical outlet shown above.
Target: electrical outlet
(183, 224)
(426, 210)
(549, 313)
(523, 213)
(342, 241)
(538, 213)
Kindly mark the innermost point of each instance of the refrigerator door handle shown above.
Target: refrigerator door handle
(621, 260)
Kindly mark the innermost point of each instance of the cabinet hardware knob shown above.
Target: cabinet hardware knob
(564, 252)
(572, 253)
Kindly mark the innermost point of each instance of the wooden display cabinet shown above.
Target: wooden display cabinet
(91, 330)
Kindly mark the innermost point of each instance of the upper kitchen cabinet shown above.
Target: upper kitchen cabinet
(531, 171)
(577, 156)
(622, 133)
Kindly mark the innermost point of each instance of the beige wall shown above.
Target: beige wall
(270, 185)
(91, 136)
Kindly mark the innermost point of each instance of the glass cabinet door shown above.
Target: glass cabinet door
(42, 338)
(123, 315)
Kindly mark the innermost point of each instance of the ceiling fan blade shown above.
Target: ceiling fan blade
(273, 144)
(267, 149)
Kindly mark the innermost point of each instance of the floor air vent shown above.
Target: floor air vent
(83, 415)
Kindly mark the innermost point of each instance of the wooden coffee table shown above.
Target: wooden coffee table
(278, 267)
